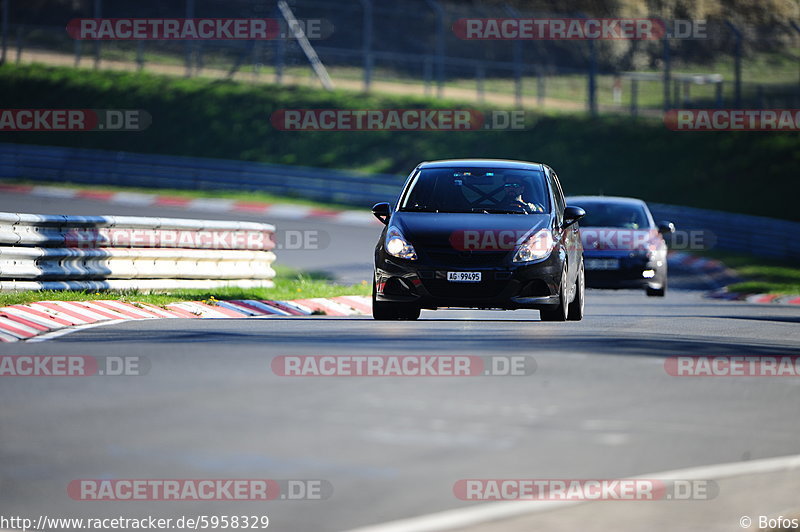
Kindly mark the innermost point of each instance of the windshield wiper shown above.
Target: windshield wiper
(502, 211)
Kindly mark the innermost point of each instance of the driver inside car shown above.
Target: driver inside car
(513, 190)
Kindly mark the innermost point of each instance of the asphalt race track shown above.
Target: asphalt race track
(599, 405)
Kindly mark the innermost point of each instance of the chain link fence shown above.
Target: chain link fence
(410, 48)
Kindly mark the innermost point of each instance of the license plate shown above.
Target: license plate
(602, 264)
(464, 277)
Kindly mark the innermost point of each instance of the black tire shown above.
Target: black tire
(655, 292)
(575, 311)
(383, 310)
(558, 313)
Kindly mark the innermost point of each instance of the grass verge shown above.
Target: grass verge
(761, 276)
(289, 284)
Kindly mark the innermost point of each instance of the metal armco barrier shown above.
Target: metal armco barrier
(98, 167)
(757, 235)
(743, 233)
(132, 253)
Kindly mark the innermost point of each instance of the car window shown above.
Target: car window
(605, 214)
(558, 196)
(503, 190)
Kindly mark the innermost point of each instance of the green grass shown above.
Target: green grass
(761, 276)
(289, 284)
(611, 155)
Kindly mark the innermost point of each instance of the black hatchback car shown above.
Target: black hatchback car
(484, 233)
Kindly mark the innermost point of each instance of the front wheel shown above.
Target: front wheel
(558, 313)
(576, 307)
(384, 310)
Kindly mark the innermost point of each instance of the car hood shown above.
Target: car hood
(474, 231)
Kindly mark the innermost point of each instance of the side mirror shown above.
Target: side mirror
(572, 214)
(382, 212)
(666, 228)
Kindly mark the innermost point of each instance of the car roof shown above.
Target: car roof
(482, 163)
(616, 200)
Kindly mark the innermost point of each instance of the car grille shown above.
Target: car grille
(444, 288)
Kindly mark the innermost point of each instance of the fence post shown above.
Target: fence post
(517, 51)
(719, 94)
(440, 45)
(540, 87)
(189, 47)
(667, 74)
(634, 97)
(98, 13)
(6, 14)
(737, 65)
(676, 92)
(592, 78)
(427, 74)
(140, 56)
(480, 76)
(280, 48)
(19, 43)
(367, 43)
(797, 29)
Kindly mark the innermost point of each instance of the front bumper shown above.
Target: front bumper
(502, 286)
(629, 274)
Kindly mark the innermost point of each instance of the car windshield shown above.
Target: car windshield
(481, 190)
(602, 214)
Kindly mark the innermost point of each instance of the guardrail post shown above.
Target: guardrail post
(367, 43)
(737, 65)
(98, 13)
(440, 45)
(6, 13)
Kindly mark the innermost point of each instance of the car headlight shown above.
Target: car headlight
(537, 246)
(398, 246)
